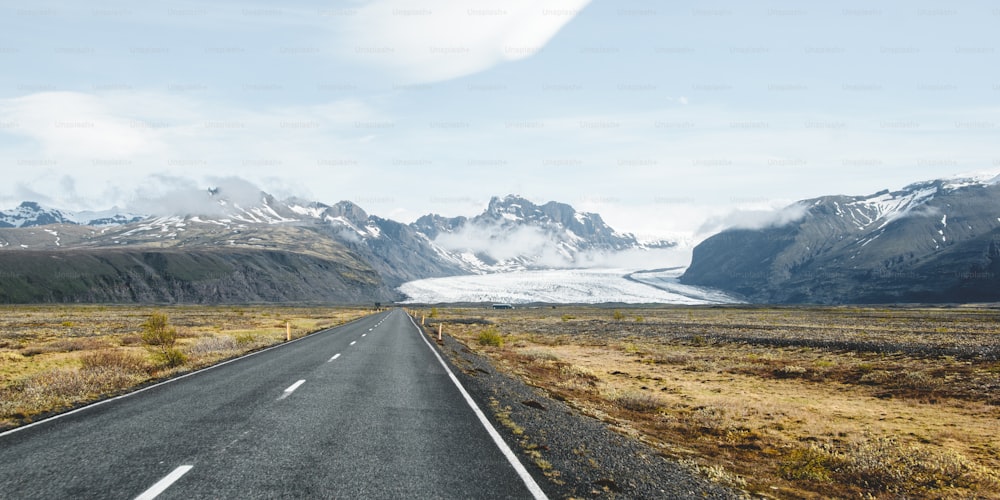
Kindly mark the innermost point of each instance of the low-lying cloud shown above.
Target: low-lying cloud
(184, 196)
(534, 246)
(754, 219)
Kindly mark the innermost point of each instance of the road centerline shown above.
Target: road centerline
(335, 356)
(291, 389)
(162, 485)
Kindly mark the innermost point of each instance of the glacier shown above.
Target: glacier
(564, 286)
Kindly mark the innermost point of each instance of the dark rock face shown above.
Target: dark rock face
(203, 276)
(399, 253)
(935, 241)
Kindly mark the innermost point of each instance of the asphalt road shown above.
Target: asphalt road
(366, 410)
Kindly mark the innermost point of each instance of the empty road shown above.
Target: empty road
(366, 410)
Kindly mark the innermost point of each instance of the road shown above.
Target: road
(366, 410)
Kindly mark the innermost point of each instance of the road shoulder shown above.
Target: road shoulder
(571, 455)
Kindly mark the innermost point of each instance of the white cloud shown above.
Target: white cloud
(438, 40)
(500, 244)
(754, 219)
(71, 124)
(94, 149)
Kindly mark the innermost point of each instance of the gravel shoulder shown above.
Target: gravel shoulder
(570, 454)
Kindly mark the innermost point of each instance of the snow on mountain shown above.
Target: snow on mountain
(557, 286)
(512, 234)
(31, 214)
(515, 234)
(933, 241)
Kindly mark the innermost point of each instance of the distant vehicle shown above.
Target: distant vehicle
(502, 306)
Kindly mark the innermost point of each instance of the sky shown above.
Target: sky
(658, 115)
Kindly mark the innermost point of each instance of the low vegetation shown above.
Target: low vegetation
(779, 402)
(53, 358)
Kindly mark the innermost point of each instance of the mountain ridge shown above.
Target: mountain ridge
(343, 235)
(931, 241)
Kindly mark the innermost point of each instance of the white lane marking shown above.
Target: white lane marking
(164, 483)
(370, 329)
(364, 334)
(355, 342)
(291, 389)
(335, 356)
(536, 491)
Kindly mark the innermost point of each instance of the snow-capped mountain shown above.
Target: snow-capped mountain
(511, 234)
(515, 234)
(31, 214)
(933, 241)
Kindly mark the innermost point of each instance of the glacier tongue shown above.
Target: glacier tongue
(563, 286)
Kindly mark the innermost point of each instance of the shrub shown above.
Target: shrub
(245, 338)
(810, 463)
(637, 401)
(884, 464)
(567, 317)
(171, 357)
(158, 334)
(618, 315)
(113, 359)
(490, 336)
(223, 343)
(156, 331)
(790, 371)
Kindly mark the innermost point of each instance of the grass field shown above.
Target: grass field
(53, 358)
(779, 402)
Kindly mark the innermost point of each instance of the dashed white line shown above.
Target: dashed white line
(164, 483)
(291, 389)
(335, 356)
(354, 342)
(364, 334)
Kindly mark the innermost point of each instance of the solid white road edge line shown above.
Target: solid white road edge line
(170, 381)
(536, 491)
(291, 389)
(335, 356)
(162, 485)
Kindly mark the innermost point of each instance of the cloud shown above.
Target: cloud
(754, 219)
(69, 124)
(538, 247)
(171, 195)
(95, 148)
(500, 244)
(438, 40)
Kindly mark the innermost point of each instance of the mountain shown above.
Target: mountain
(262, 248)
(188, 276)
(31, 214)
(399, 252)
(515, 234)
(934, 241)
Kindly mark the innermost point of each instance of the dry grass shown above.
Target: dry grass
(57, 357)
(781, 402)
